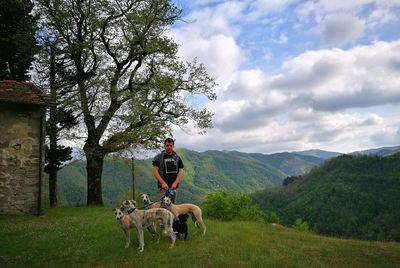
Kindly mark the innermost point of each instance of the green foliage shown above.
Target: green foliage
(91, 237)
(348, 196)
(231, 206)
(301, 225)
(62, 155)
(17, 39)
(273, 218)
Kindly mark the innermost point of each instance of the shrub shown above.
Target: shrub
(301, 225)
(231, 206)
(273, 218)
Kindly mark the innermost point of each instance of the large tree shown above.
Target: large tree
(131, 86)
(17, 39)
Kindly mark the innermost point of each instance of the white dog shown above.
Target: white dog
(180, 209)
(127, 225)
(146, 218)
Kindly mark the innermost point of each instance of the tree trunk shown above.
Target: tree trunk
(133, 179)
(94, 168)
(53, 186)
(52, 122)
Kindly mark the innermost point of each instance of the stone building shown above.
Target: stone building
(22, 125)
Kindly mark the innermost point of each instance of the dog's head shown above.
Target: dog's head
(118, 213)
(166, 201)
(128, 204)
(145, 198)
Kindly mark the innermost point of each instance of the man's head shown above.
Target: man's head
(169, 145)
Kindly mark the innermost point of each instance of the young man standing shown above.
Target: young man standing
(168, 169)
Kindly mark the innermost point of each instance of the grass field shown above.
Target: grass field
(91, 237)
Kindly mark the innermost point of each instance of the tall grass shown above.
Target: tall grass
(91, 237)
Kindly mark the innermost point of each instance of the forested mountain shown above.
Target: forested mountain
(206, 171)
(351, 195)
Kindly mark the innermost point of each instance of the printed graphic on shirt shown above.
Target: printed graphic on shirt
(170, 166)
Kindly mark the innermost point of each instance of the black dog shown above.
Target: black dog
(180, 226)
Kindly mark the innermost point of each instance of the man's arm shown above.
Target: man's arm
(178, 178)
(158, 177)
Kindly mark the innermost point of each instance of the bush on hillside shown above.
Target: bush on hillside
(231, 206)
(301, 225)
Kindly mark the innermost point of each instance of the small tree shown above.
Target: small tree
(50, 75)
(301, 225)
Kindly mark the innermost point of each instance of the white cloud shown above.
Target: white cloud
(307, 105)
(321, 98)
(381, 16)
(341, 29)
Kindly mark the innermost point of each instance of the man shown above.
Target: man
(168, 169)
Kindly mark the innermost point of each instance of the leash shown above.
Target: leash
(168, 193)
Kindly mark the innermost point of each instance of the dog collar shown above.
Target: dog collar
(131, 210)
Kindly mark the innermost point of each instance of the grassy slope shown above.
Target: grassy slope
(91, 237)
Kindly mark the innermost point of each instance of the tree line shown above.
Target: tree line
(349, 196)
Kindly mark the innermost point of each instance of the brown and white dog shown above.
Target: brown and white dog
(127, 225)
(147, 202)
(187, 208)
(146, 218)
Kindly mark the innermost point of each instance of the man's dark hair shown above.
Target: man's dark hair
(169, 140)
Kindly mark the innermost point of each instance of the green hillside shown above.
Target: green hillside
(91, 237)
(204, 172)
(288, 163)
(349, 196)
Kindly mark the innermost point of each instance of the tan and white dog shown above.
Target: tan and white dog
(127, 224)
(187, 208)
(146, 218)
(147, 202)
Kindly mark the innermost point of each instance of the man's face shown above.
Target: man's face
(169, 147)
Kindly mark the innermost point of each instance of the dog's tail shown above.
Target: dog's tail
(199, 222)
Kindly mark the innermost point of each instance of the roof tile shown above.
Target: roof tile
(22, 92)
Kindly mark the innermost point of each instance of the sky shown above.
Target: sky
(295, 75)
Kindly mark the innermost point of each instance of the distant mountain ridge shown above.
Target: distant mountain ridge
(378, 151)
(318, 153)
(327, 154)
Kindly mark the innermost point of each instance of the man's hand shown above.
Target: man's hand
(164, 186)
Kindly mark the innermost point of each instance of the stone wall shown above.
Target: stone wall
(21, 159)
